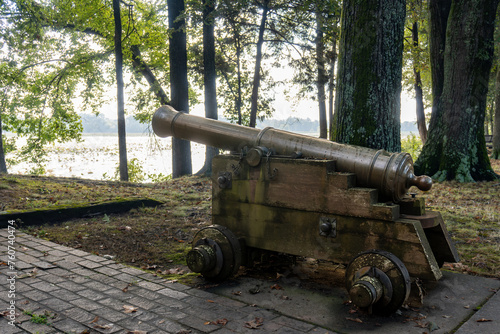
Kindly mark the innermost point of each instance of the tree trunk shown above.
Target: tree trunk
(122, 145)
(331, 89)
(140, 66)
(367, 102)
(3, 165)
(258, 60)
(209, 77)
(496, 124)
(456, 149)
(238, 64)
(419, 98)
(181, 149)
(321, 75)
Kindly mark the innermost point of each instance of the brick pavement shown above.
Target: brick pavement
(83, 293)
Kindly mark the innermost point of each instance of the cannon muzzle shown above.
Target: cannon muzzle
(391, 173)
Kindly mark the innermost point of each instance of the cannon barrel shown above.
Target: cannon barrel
(391, 173)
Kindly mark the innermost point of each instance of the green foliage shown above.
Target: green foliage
(56, 59)
(135, 172)
(42, 319)
(158, 178)
(417, 57)
(412, 145)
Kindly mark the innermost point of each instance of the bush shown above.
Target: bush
(412, 145)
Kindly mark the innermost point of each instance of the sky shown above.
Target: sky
(306, 109)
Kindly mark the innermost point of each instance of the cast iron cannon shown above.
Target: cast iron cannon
(289, 193)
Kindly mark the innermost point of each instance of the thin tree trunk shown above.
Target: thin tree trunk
(209, 77)
(321, 75)
(419, 99)
(179, 88)
(140, 66)
(258, 61)
(238, 64)
(3, 165)
(496, 124)
(331, 90)
(122, 145)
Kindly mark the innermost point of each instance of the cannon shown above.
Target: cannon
(294, 194)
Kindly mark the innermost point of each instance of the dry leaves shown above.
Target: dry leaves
(129, 309)
(173, 271)
(222, 322)
(254, 324)
(483, 320)
(358, 320)
(137, 332)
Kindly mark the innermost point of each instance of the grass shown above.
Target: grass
(472, 215)
(157, 239)
(42, 319)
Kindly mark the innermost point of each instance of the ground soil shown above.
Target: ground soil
(158, 238)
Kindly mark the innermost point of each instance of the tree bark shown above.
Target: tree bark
(179, 89)
(456, 148)
(140, 66)
(209, 77)
(3, 165)
(331, 89)
(367, 102)
(122, 144)
(322, 78)
(496, 124)
(419, 98)
(258, 61)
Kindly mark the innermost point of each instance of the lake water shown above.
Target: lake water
(97, 156)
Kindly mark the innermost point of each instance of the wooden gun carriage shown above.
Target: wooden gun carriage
(299, 195)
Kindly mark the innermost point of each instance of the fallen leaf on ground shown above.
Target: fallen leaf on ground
(96, 319)
(97, 326)
(276, 287)
(125, 289)
(173, 271)
(254, 324)
(129, 309)
(355, 320)
(137, 332)
(483, 320)
(222, 322)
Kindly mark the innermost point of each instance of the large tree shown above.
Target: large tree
(367, 102)
(456, 148)
(179, 88)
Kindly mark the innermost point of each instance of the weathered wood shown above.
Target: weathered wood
(309, 185)
(412, 206)
(282, 204)
(297, 232)
(440, 242)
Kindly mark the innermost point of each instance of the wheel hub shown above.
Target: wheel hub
(378, 281)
